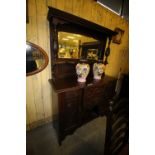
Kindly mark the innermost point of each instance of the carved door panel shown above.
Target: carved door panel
(93, 96)
(70, 110)
(98, 94)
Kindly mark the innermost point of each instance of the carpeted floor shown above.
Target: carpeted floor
(86, 140)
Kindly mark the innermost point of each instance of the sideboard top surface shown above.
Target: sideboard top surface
(62, 85)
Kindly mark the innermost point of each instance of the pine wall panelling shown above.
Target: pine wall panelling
(38, 89)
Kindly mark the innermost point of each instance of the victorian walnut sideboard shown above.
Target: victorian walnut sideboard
(72, 39)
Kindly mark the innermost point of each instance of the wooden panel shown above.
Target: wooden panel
(55, 105)
(30, 104)
(96, 98)
(31, 30)
(98, 95)
(53, 3)
(43, 42)
(68, 6)
(78, 8)
(41, 8)
(97, 13)
(72, 94)
(66, 70)
(37, 85)
(70, 109)
(31, 36)
(59, 5)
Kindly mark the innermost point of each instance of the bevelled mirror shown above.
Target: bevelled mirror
(78, 46)
(36, 59)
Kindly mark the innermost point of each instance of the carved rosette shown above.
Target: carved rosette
(82, 70)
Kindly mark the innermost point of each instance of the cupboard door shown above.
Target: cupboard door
(93, 96)
(70, 109)
(98, 94)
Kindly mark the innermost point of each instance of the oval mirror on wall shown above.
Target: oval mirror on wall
(36, 59)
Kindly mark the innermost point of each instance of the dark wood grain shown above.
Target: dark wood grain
(53, 12)
(79, 103)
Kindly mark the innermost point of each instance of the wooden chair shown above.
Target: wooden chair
(117, 131)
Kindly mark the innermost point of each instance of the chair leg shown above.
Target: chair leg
(108, 136)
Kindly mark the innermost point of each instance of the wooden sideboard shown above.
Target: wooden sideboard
(79, 103)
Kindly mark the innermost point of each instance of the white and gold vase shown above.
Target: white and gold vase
(98, 70)
(82, 70)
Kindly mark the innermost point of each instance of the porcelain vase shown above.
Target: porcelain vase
(98, 70)
(82, 70)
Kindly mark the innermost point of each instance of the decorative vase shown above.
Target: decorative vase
(98, 70)
(82, 70)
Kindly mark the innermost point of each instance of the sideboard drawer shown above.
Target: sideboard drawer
(72, 94)
(92, 91)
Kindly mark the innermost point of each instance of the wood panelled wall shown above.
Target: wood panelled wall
(38, 89)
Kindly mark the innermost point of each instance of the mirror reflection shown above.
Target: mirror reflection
(77, 46)
(36, 59)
